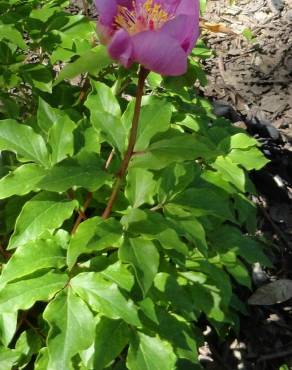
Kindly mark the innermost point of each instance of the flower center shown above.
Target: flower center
(149, 16)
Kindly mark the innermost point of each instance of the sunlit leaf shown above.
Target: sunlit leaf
(71, 329)
(148, 352)
(45, 211)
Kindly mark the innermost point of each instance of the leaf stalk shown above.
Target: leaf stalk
(143, 73)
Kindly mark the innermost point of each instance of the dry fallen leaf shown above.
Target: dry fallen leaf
(216, 27)
(277, 292)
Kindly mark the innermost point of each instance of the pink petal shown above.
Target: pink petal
(159, 52)
(185, 29)
(126, 3)
(107, 10)
(189, 7)
(121, 48)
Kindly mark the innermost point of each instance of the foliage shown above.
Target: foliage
(126, 292)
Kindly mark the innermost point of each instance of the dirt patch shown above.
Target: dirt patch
(253, 74)
(250, 82)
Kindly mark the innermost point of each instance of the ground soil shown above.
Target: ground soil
(250, 82)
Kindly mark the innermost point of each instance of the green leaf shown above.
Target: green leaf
(154, 118)
(203, 4)
(238, 141)
(197, 67)
(31, 257)
(8, 324)
(64, 55)
(38, 75)
(250, 159)
(104, 297)
(230, 172)
(208, 299)
(61, 139)
(8, 358)
(171, 291)
(24, 293)
(204, 201)
(92, 141)
(164, 152)
(191, 122)
(216, 277)
(119, 274)
(12, 35)
(175, 179)
(93, 235)
(31, 177)
(110, 126)
(28, 344)
(196, 233)
(45, 211)
(105, 115)
(91, 61)
(23, 141)
(140, 187)
(62, 178)
(21, 181)
(47, 115)
(240, 273)
(230, 238)
(71, 329)
(147, 353)
(153, 226)
(215, 178)
(179, 85)
(43, 13)
(144, 258)
(106, 330)
(104, 99)
(42, 359)
(246, 212)
(183, 336)
(154, 79)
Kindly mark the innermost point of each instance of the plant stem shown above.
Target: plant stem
(81, 215)
(132, 141)
(109, 160)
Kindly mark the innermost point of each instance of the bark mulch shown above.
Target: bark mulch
(250, 82)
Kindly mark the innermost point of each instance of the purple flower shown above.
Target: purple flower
(158, 34)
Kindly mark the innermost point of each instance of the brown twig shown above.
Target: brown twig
(84, 90)
(82, 215)
(276, 228)
(272, 356)
(132, 141)
(109, 160)
(21, 320)
(36, 330)
(4, 252)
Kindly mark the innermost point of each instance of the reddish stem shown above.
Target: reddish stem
(82, 215)
(132, 141)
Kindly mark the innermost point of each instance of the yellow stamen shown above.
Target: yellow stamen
(150, 16)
